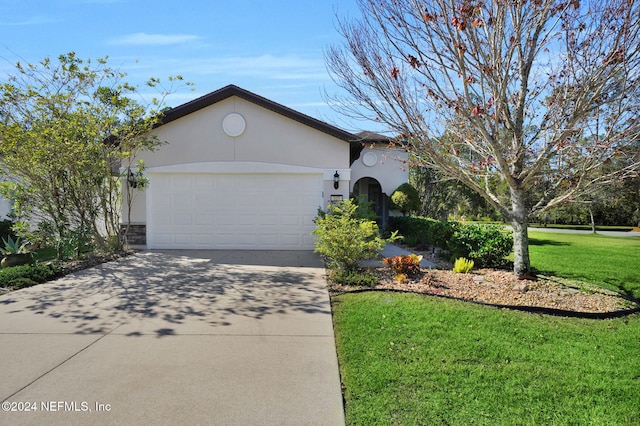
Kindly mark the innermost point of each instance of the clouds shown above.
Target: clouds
(145, 39)
(34, 20)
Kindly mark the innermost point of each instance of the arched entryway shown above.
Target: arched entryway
(372, 191)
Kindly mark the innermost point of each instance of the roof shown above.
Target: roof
(366, 138)
(373, 137)
(232, 90)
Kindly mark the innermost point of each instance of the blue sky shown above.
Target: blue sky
(273, 48)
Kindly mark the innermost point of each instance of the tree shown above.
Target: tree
(67, 127)
(535, 96)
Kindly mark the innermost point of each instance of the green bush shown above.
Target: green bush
(345, 239)
(27, 275)
(486, 245)
(354, 278)
(426, 231)
(405, 198)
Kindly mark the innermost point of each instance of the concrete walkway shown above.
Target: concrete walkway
(212, 337)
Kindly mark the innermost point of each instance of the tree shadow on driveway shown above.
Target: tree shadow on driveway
(171, 293)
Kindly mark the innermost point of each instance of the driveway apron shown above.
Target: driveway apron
(174, 337)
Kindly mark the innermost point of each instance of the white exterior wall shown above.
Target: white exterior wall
(5, 208)
(388, 166)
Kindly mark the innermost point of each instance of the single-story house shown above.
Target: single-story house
(239, 171)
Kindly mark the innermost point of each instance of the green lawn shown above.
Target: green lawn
(583, 227)
(411, 359)
(612, 262)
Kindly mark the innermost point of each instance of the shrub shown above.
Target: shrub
(354, 278)
(405, 198)
(27, 275)
(486, 245)
(404, 264)
(411, 241)
(462, 265)
(344, 239)
(426, 231)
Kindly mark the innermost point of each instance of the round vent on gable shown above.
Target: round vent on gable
(369, 159)
(233, 124)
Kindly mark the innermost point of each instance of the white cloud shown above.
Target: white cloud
(145, 39)
(35, 20)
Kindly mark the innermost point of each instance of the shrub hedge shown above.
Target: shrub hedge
(486, 245)
(423, 230)
(17, 277)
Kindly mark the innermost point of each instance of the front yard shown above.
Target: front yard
(409, 359)
(416, 359)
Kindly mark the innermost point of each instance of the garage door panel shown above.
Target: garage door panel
(204, 220)
(268, 219)
(182, 219)
(288, 220)
(233, 211)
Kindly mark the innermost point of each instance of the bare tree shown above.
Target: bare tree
(536, 95)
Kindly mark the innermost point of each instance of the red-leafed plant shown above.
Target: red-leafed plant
(404, 264)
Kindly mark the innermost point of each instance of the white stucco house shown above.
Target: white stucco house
(239, 171)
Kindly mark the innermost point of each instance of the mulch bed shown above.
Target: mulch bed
(502, 288)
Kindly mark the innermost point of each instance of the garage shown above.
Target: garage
(263, 211)
(233, 170)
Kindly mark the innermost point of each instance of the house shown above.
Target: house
(239, 171)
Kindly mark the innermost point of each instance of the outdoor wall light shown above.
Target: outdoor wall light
(132, 180)
(336, 180)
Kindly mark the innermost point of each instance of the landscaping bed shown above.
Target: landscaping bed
(498, 287)
(18, 277)
(503, 288)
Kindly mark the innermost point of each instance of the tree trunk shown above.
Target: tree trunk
(520, 224)
(639, 208)
(593, 222)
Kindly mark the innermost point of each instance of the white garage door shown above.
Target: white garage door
(232, 211)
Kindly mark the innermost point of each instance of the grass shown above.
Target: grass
(412, 359)
(612, 262)
(584, 227)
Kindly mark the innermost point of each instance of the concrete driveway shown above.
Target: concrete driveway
(198, 337)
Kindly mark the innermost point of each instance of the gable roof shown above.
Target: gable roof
(232, 90)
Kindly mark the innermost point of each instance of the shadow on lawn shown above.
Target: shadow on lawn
(543, 242)
(172, 290)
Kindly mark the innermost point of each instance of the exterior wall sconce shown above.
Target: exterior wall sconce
(132, 180)
(336, 180)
